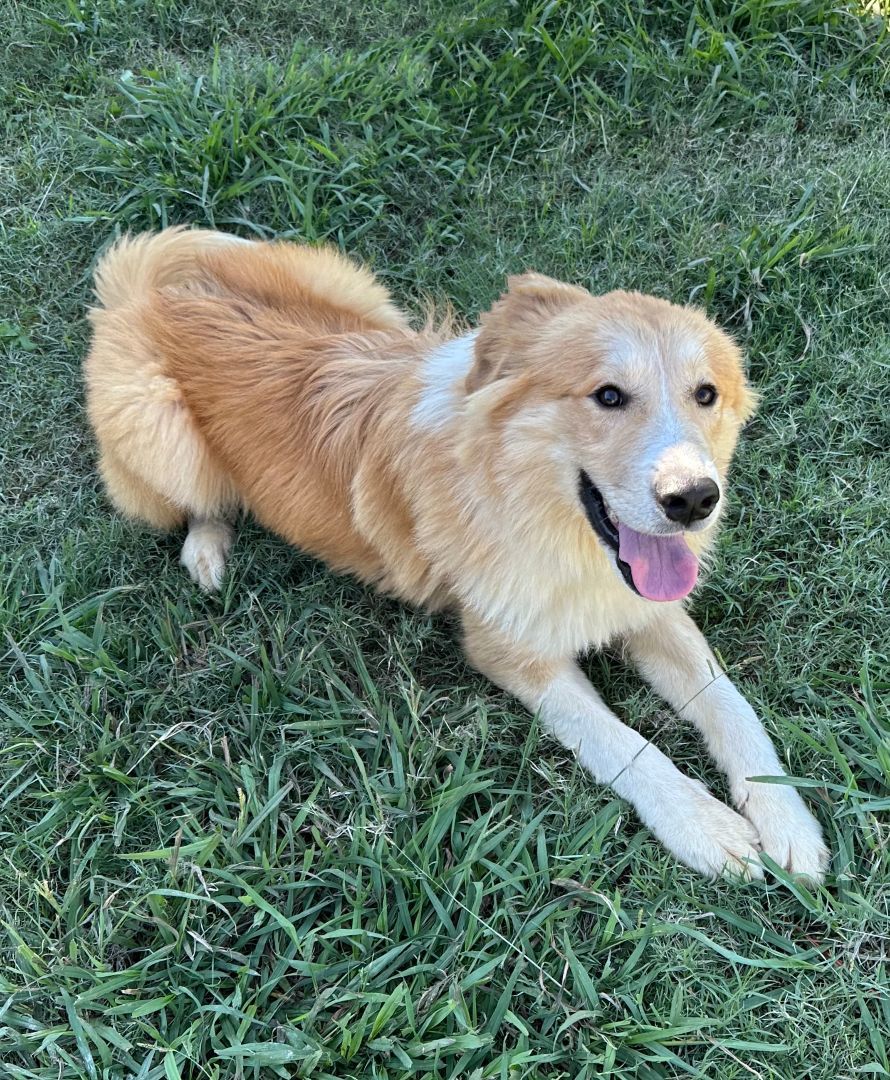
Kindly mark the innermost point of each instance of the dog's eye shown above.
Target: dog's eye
(706, 394)
(610, 397)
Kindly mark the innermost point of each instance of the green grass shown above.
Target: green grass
(288, 832)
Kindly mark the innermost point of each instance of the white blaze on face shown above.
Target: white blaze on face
(678, 455)
(444, 371)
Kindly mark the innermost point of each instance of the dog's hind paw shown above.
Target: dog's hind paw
(205, 551)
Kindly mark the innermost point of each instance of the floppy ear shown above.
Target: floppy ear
(514, 321)
(729, 365)
(749, 399)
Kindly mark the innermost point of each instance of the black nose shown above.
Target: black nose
(694, 503)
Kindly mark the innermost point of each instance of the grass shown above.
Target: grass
(288, 832)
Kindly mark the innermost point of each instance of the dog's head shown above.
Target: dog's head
(635, 403)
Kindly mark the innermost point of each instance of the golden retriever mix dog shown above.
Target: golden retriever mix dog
(555, 476)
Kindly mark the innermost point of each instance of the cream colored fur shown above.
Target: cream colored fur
(283, 380)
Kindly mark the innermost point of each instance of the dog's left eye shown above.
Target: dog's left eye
(610, 397)
(706, 394)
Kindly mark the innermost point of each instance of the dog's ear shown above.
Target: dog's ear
(530, 301)
(749, 399)
(729, 365)
(541, 294)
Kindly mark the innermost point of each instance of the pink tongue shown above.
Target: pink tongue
(662, 567)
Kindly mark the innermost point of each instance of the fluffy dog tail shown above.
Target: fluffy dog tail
(137, 264)
(316, 287)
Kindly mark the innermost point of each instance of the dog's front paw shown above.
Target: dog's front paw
(707, 835)
(789, 833)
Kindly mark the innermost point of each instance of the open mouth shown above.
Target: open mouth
(658, 568)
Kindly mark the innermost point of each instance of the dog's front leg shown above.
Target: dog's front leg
(699, 829)
(675, 659)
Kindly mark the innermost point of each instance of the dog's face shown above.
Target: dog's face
(641, 401)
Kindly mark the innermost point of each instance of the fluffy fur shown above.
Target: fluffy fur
(282, 379)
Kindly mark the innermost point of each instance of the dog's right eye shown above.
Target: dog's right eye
(610, 397)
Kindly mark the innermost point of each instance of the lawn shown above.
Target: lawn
(287, 831)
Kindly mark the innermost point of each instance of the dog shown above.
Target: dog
(554, 475)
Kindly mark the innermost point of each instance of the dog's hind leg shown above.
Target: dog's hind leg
(674, 658)
(699, 829)
(136, 498)
(206, 549)
(156, 463)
